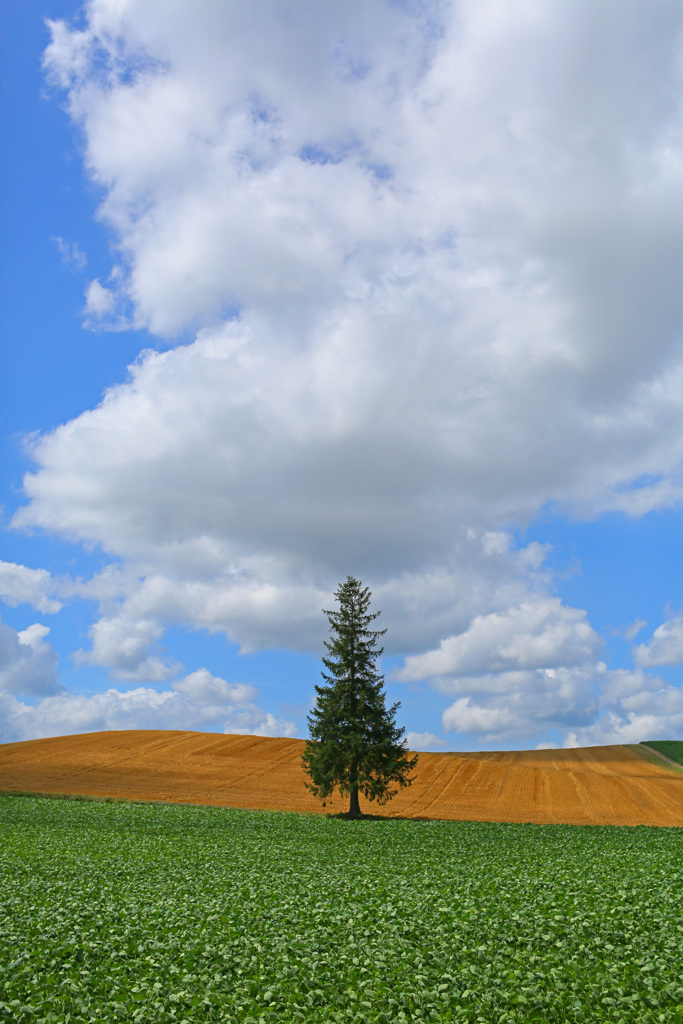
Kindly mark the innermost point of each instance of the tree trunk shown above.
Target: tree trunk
(354, 807)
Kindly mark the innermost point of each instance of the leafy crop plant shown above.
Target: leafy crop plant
(133, 912)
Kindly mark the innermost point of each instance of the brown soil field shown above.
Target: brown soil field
(615, 785)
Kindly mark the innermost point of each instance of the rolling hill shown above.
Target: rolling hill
(610, 785)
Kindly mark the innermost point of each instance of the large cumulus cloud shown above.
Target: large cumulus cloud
(431, 258)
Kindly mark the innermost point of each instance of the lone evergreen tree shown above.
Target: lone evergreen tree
(355, 744)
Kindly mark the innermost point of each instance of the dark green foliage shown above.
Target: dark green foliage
(673, 749)
(355, 745)
(159, 914)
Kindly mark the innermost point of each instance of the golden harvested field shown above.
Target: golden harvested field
(617, 785)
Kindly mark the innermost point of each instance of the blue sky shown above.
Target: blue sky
(446, 360)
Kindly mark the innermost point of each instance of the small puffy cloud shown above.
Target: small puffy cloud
(665, 647)
(635, 707)
(621, 684)
(231, 709)
(252, 721)
(202, 688)
(28, 665)
(99, 301)
(68, 50)
(542, 633)
(466, 717)
(21, 585)
(519, 707)
(122, 644)
(423, 741)
(34, 635)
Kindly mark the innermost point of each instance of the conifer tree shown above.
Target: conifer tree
(355, 745)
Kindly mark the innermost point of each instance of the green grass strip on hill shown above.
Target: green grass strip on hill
(673, 749)
(147, 913)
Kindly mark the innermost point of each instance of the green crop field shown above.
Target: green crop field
(132, 912)
(673, 749)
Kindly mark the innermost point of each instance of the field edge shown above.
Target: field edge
(374, 818)
(656, 756)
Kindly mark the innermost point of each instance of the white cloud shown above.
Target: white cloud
(631, 631)
(423, 741)
(28, 665)
(542, 633)
(525, 276)
(21, 585)
(202, 688)
(262, 604)
(122, 644)
(463, 716)
(665, 647)
(636, 707)
(99, 301)
(433, 256)
(200, 701)
(523, 706)
(71, 253)
(439, 344)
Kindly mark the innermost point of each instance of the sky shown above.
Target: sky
(295, 291)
